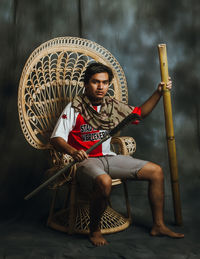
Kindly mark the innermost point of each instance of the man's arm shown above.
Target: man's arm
(62, 146)
(149, 105)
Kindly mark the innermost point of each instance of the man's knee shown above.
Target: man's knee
(103, 184)
(157, 173)
(152, 172)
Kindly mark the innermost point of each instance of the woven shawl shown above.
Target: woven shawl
(112, 112)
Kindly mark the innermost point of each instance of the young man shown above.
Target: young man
(82, 124)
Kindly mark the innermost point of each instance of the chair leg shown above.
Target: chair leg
(109, 203)
(66, 201)
(127, 201)
(72, 208)
(51, 211)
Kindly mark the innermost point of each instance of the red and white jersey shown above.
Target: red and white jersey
(72, 127)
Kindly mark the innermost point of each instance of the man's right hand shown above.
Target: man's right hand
(79, 155)
(62, 146)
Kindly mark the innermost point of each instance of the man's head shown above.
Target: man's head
(95, 68)
(96, 81)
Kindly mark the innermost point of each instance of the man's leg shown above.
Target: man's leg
(92, 177)
(98, 205)
(154, 174)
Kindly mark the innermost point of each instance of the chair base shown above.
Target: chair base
(111, 221)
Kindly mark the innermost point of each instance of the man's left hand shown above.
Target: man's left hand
(168, 86)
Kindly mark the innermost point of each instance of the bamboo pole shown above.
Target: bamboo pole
(170, 134)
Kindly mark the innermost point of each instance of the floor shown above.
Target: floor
(25, 235)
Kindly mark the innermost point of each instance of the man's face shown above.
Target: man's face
(97, 87)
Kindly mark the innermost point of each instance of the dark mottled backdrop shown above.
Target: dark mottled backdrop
(131, 30)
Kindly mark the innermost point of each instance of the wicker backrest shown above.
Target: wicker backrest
(52, 76)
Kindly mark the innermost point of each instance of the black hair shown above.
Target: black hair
(95, 68)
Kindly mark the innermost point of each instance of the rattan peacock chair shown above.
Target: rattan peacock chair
(52, 76)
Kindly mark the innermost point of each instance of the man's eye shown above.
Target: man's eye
(94, 81)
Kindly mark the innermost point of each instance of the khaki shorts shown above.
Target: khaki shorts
(118, 167)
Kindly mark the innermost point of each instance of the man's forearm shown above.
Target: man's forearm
(149, 105)
(62, 146)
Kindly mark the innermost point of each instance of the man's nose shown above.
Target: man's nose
(100, 85)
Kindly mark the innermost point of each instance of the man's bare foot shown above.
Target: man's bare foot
(97, 239)
(164, 231)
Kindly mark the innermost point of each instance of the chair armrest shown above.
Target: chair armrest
(59, 159)
(123, 145)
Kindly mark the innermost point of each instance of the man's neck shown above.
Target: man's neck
(95, 102)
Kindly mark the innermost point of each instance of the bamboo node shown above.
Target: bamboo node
(170, 137)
